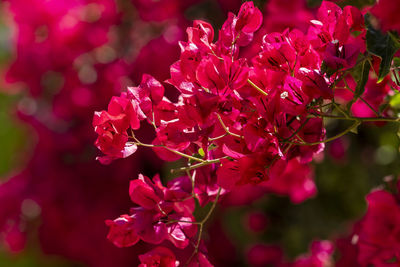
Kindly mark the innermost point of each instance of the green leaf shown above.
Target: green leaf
(396, 62)
(354, 130)
(327, 70)
(382, 45)
(360, 74)
(396, 71)
(201, 152)
(395, 101)
(212, 147)
(14, 139)
(398, 133)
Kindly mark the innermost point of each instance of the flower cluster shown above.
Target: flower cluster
(162, 213)
(250, 114)
(242, 120)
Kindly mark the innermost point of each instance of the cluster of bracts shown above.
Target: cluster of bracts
(254, 118)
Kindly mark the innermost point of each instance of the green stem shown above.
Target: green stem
(201, 226)
(211, 139)
(171, 150)
(354, 125)
(297, 131)
(361, 98)
(226, 128)
(176, 221)
(257, 88)
(340, 109)
(360, 119)
(198, 165)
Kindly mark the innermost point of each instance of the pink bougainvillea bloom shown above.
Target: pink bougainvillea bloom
(112, 126)
(240, 29)
(112, 139)
(122, 232)
(201, 34)
(144, 193)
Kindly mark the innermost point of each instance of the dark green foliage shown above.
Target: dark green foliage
(360, 74)
(383, 45)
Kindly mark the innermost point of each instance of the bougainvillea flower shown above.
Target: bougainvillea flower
(122, 232)
(239, 30)
(112, 126)
(144, 193)
(201, 34)
(112, 139)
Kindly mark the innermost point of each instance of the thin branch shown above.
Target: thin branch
(362, 99)
(138, 143)
(226, 128)
(257, 88)
(201, 226)
(303, 143)
(198, 165)
(351, 118)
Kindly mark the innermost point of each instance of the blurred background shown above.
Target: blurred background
(62, 60)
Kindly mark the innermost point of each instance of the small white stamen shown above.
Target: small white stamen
(316, 22)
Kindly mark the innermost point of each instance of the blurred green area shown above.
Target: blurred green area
(13, 136)
(33, 259)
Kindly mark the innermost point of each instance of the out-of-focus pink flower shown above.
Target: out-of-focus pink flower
(158, 257)
(296, 181)
(321, 255)
(378, 236)
(264, 255)
(15, 239)
(387, 12)
(338, 148)
(256, 221)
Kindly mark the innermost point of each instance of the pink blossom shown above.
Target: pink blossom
(111, 126)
